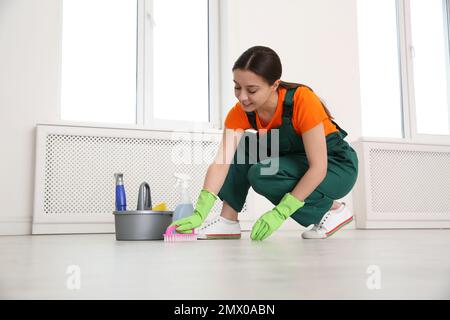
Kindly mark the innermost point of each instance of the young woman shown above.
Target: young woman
(315, 165)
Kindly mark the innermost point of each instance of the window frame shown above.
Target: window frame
(406, 54)
(145, 107)
(144, 78)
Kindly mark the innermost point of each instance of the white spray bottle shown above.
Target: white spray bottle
(184, 207)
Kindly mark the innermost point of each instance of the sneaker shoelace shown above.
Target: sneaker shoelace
(324, 219)
(210, 223)
(326, 216)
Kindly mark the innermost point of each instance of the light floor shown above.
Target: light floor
(403, 264)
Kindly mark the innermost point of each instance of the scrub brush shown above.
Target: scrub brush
(171, 235)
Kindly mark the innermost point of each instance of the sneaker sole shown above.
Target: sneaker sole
(329, 234)
(221, 237)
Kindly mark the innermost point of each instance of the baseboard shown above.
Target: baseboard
(67, 228)
(392, 224)
(15, 227)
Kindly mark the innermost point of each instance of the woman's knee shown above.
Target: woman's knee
(337, 187)
(255, 178)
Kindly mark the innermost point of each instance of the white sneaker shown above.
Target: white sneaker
(331, 222)
(219, 228)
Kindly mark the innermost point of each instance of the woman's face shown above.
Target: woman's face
(251, 90)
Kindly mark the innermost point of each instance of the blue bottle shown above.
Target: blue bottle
(121, 201)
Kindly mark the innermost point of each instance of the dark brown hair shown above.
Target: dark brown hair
(266, 63)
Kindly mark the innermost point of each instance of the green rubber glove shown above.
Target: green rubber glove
(204, 204)
(273, 219)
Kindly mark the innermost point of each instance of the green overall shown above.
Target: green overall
(341, 174)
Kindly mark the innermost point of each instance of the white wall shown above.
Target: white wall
(29, 33)
(316, 40)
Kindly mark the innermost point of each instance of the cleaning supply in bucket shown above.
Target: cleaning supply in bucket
(121, 201)
(144, 197)
(171, 235)
(160, 207)
(185, 207)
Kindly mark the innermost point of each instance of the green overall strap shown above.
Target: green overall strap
(287, 108)
(342, 132)
(288, 103)
(252, 119)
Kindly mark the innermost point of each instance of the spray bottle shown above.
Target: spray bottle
(184, 207)
(121, 202)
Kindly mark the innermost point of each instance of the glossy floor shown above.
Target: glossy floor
(352, 264)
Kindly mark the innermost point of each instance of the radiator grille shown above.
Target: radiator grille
(79, 171)
(415, 183)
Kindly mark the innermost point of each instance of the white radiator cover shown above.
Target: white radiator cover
(402, 185)
(75, 166)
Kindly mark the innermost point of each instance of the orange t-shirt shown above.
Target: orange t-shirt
(306, 114)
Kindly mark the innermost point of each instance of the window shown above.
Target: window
(404, 67)
(180, 60)
(379, 69)
(98, 71)
(136, 62)
(429, 31)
